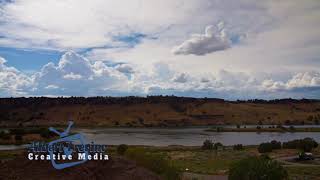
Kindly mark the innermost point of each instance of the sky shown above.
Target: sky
(231, 49)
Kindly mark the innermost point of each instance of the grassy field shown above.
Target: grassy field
(212, 162)
(208, 162)
(298, 172)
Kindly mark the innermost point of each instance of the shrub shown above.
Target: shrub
(46, 133)
(217, 145)
(310, 118)
(207, 145)
(155, 162)
(258, 168)
(4, 135)
(18, 131)
(265, 147)
(18, 137)
(306, 144)
(219, 129)
(238, 147)
(265, 156)
(276, 144)
(122, 148)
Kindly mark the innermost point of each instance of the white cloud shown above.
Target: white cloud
(278, 39)
(100, 79)
(72, 76)
(12, 81)
(76, 24)
(214, 39)
(271, 85)
(2, 61)
(299, 80)
(275, 41)
(75, 75)
(51, 86)
(307, 79)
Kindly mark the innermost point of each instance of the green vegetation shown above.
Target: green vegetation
(169, 162)
(303, 172)
(18, 131)
(264, 129)
(4, 135)
(276, 144)
(265, 147)
(206, 162)
(257, 168)
(269, 146)
(217, 145)
(18, 137)
(306, 144)
(43, 131)
(122, 148)
(8, 155)
(238, 147)
(156, 162)
(209, 145)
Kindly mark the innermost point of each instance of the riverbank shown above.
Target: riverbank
(291, 129)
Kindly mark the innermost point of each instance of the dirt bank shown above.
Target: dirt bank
(115, 169)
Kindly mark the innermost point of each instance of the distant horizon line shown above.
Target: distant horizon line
(162, 96)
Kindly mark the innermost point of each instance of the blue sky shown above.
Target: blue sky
(28, 60)
(234, 49)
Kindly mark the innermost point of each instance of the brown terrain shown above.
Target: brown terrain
(160, 111)
(116, 169)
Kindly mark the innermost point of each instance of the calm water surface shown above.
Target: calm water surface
(180, 136)
(185, 136)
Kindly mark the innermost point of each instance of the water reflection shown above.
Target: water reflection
(185, 136)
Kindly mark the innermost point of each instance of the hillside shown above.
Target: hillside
(115, 168)
(162, 111)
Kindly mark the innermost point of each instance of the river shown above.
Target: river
(185, 136)
(179, 136)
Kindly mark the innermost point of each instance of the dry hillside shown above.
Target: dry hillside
(154, 111)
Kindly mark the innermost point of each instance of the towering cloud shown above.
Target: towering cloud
(76, 75)
(12, 81)
(299, 80)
